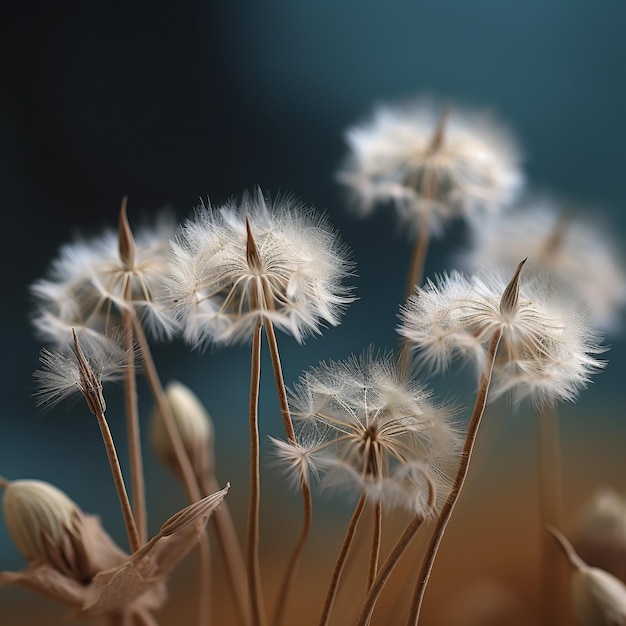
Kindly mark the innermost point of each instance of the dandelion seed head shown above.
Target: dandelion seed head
(547, 351)
(433, 164)
(86, 284)
(360, 424)
(60, 377)
(294, 279)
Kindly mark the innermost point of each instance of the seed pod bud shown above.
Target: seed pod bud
(32, 509)
(196, 431)
(599, 598)
(601, 533)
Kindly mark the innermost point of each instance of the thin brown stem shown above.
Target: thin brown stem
(567, 548)
(132, 424)
(203, 552)
(551, 512)
(189, 478)
(415, 275)
(231, 553)
(252, 557)
(387, 568)
(306, 493)
(375, 549)
(459, 480)
(279, 380)
(118, 479)
(341, 559)
(290, 573)
(418, 259)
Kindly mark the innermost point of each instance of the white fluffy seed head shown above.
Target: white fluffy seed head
(575, 250)
(86, 285)
(295, 277)
(361, 424)
(195, 427)
(547, 352)
(32, 508)
(432, 163)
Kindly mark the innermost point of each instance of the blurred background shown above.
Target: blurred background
(173, 104)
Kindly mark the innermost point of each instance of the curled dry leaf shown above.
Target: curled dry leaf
(120, 584)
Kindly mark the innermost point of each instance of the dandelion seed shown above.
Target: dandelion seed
(254, 260)
(432, 164)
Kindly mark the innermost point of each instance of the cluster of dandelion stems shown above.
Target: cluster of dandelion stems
(240, 272)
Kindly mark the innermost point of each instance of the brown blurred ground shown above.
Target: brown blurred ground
(487, 573)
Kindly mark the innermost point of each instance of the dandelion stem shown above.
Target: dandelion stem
(132, 424)
(415, 274)
(568, 550)
(375, 550)
(387, 568)
(118, 479)
(457, 485)
(204, 574)
(418, 259)
(279, 379)
(306, 493)
(289, 576)
(551, 512)
(229, 547)
(341, 559)
(189, 480)
(254, 570)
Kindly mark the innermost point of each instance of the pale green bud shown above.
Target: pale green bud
(195, 427)
(33, 508)
(599, 598)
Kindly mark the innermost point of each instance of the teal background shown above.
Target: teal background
(170, 105)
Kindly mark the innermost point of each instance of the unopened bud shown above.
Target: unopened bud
(599, 598)
(34, 509)
(601, 533)
(195, 427)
